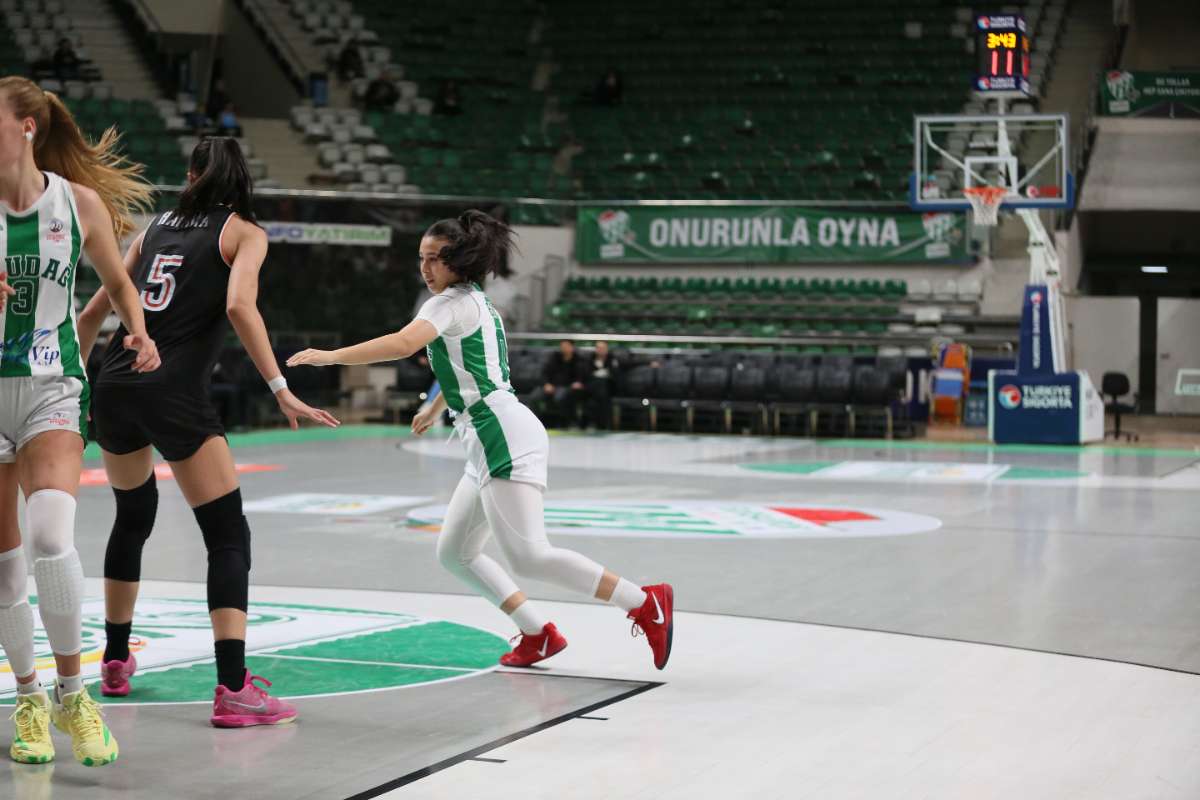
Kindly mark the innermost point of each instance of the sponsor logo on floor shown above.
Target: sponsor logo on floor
(333, 504)
(709, 519)
(98, 477)
(927, 471)
(304, 650)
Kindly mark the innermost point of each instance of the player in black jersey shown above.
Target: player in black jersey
(195, 267)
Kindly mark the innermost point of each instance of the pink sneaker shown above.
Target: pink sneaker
(249, 706)
(115, 675)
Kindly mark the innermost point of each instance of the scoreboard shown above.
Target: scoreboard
(1002, 53)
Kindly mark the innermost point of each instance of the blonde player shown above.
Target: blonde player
(507, 447)
(59, 195)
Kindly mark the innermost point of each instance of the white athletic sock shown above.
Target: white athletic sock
(627, 596)
(33, 687)
(69, 684)
(528, 619)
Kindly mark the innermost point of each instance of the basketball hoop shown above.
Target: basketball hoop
(985, 202)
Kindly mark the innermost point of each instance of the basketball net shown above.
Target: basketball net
(985, 203)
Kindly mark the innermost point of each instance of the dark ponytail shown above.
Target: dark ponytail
(220, 177)
(478, 244)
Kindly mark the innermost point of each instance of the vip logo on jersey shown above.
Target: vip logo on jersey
(25, 348)
(56, 230)
(1036, 298)
(709, 519)
(1009, 396)
(59, 419)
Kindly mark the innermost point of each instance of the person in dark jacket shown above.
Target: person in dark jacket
(563, 379)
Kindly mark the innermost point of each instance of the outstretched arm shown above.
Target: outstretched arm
(393, 346)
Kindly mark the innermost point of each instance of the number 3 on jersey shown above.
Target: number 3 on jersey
(160, 284)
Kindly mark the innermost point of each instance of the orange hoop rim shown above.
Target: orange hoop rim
(985, 203)
(988, 193)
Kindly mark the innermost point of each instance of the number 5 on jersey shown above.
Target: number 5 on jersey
(160, 284)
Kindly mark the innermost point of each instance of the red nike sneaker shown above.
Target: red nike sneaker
(532, 649)
(655, 619)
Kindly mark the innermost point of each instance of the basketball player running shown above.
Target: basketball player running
(194, 266)
(507, 447)
(59, 194)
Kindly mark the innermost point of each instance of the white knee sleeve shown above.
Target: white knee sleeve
(51, 516)
(515, 512)
(56, 568)
(16, 617)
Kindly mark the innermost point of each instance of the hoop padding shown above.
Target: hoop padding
(985, 203)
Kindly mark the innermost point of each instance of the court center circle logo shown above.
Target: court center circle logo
(306, 651)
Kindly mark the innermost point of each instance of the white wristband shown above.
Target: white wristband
(277, 385)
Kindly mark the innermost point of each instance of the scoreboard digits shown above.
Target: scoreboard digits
(1002, 50)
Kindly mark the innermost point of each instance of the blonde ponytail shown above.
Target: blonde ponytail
(60, 147)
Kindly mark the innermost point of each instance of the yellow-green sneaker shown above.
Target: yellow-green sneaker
(91, 740)
(31, 740)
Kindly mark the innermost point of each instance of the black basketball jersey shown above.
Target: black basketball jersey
(182, 279)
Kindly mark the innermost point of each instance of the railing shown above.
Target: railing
(1085, 127)
(280, 44)
(146, 15)
(980, 342)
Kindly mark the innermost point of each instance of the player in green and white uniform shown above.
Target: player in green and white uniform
(507, 447)
(59, 196)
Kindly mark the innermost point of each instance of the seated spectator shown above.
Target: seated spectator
(562, 383)
(448, 101)
(66, 62)
(608, 90)
(227, 124)
(218, 99)
(381, 93)
(602, 372)
(350, 64)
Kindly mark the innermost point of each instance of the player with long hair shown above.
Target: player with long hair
(507, 447)
(196, 266)
(61, 195)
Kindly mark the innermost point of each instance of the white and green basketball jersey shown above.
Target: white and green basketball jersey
(470, 365)
(40, 247)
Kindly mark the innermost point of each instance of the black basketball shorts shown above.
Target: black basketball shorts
(176, 421)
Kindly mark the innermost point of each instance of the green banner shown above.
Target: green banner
(1150, 94)
(764, 235)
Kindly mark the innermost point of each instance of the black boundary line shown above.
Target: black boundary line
(598, 719)
(472, 754)
(735, 615)
(1180, 469)
(489, 760)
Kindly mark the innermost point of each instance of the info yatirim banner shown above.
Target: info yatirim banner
(764, 235)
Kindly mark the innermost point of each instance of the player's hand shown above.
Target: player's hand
(313, 358)
(147, 353)
(424, 419)
(6, 291)
(294, 408)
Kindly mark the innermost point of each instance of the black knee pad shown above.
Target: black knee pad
(136, 509)
(227, 537)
